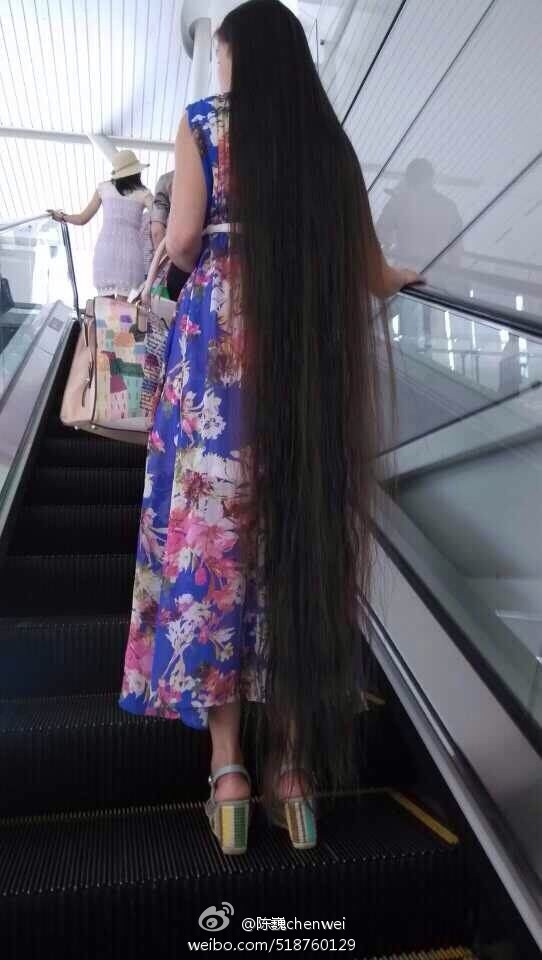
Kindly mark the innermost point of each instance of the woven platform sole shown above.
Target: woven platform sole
(229, 824)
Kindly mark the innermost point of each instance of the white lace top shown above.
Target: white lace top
(121, 254)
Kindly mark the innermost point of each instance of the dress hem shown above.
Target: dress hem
(182, 714)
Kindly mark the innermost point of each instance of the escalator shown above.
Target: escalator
(104, 845)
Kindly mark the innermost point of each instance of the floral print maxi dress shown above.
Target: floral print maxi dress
(196, 626)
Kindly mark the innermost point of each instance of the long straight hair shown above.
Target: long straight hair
(306, 247)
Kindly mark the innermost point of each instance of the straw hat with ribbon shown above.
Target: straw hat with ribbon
(125, 164)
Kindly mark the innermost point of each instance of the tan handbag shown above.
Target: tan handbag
(117, 364)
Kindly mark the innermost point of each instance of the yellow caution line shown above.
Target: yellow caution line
(429, 821)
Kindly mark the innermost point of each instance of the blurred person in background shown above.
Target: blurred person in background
(175, 278)
(418, 222)
(161, 207)
(121, 254)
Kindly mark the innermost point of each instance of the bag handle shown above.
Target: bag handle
(160, 257)
(88, 315)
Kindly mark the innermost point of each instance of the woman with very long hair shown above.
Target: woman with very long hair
(255, 545)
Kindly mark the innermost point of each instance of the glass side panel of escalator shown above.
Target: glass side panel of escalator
(33, 272)
(36, 288)
(463, 479)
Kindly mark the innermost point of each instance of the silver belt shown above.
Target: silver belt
(221, 228)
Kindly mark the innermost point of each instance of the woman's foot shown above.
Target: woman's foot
(228, 806)
(292, 783)
(292, 805)
(229, 815)
(224, 723)
(294, 808)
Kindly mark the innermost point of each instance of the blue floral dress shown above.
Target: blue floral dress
(197, 625)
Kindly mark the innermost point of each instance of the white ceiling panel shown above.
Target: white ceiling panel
(104, 66)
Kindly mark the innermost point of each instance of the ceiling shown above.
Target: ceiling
(456, 84)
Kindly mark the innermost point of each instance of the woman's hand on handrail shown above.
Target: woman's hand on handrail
(79, 219)
(404, 277)
(385, 281)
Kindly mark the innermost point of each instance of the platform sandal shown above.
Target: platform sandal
(229, 818)
(297, 815)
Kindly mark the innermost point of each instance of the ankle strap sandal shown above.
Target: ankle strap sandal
(297, 814)
(229, 819)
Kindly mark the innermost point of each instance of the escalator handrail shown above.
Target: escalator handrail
(11, 224)
(71, 268)
(519, 321)
(503, 845)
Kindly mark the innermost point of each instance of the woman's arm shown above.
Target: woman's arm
(79, 219)
(188, 202)
(384, 280)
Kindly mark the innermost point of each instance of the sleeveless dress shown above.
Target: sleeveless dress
(197, 616)
(121, 252)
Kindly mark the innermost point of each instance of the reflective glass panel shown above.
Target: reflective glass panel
(465, 474)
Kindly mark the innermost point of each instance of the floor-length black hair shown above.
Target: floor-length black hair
(306, 248)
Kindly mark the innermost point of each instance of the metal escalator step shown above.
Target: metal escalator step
(70, 751)
(77, 528)
(88, 451)
(65, 485)
(127, 881)
(56, 586)
(81, 752)
(45, 657)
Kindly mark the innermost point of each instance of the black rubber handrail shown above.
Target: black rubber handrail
(519, 321)
(71, 268)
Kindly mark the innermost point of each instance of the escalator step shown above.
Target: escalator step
(59, 657)
(81, 752)
(85, 451)
(75, 751)
(86, 528)
(133, 881)
(65, 485)
(56, 586)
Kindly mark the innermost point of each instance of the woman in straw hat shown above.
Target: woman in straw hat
(120, 254)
